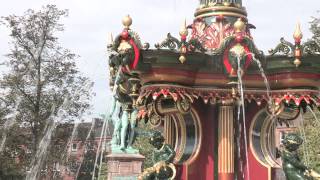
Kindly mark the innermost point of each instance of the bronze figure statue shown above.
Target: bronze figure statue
(293, 168)
(162, 157)
(124, 83)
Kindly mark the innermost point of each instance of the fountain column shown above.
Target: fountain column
(226, 142)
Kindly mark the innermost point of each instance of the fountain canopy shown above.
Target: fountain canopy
(183, 78)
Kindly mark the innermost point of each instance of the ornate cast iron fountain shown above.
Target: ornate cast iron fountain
(213, 93)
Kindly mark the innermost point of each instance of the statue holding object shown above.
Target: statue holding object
(123, 57)
(293, 167)
(162, 158)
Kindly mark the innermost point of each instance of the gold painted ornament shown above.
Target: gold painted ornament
(238, 50)
(182, 59)
(297, 35)
(127, 21)
(183, 30)
(239, 26)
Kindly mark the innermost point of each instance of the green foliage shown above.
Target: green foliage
(104, 172)
(87, 166)
(42, 83)
(312, 142)
(315, 29)
(144, 147)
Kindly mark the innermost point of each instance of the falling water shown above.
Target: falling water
(42, 151)
(10, 121)
(314, 115)
(98, 149)
(303, 133)
(240, 85)
(73, 134)
(265, 79)
(85, 142)
(8, 124)
(103, 148)
(238, 139)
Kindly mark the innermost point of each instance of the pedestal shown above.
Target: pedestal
(124, 166)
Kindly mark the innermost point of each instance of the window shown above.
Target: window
(282, 135)
(56, 166)
(262, 138)
(74, 147)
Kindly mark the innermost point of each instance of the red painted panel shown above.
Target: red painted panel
(257, 171)
(203, 167)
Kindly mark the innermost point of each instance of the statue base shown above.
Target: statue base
(123, 166)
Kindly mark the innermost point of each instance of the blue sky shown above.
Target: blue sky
(89, 22)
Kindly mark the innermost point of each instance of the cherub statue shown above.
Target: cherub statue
(162, 158)
(293, 168)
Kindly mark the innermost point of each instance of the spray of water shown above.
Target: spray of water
(38, 160)
(103, 148)
(10, 121)
(265, 79)
(240, 85)
(238, 139)
(303, 133)
(98, 149)
(85, 142)
(314, 115)
(73, 134)
(42, 151)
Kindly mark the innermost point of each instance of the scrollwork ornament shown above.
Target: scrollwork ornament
(170, 42)
(284, 48)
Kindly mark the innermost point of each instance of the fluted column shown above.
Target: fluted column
(168, 130)
(226, 143)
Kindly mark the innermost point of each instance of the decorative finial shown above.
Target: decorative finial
(183, 49)
(297, 35)
(182, 59)
(183, 29)
(239, 25)
(127, 21)
(297, 62)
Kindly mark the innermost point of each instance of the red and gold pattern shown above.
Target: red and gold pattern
(211, 36)
(227, 61)
(212, 95)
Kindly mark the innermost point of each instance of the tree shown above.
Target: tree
(312, 140)
(143, 145)
(42, 77)
(312, 124)
(315, 29)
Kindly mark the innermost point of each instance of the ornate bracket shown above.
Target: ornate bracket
(284, 48)
(296, 50)
(170, 42)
